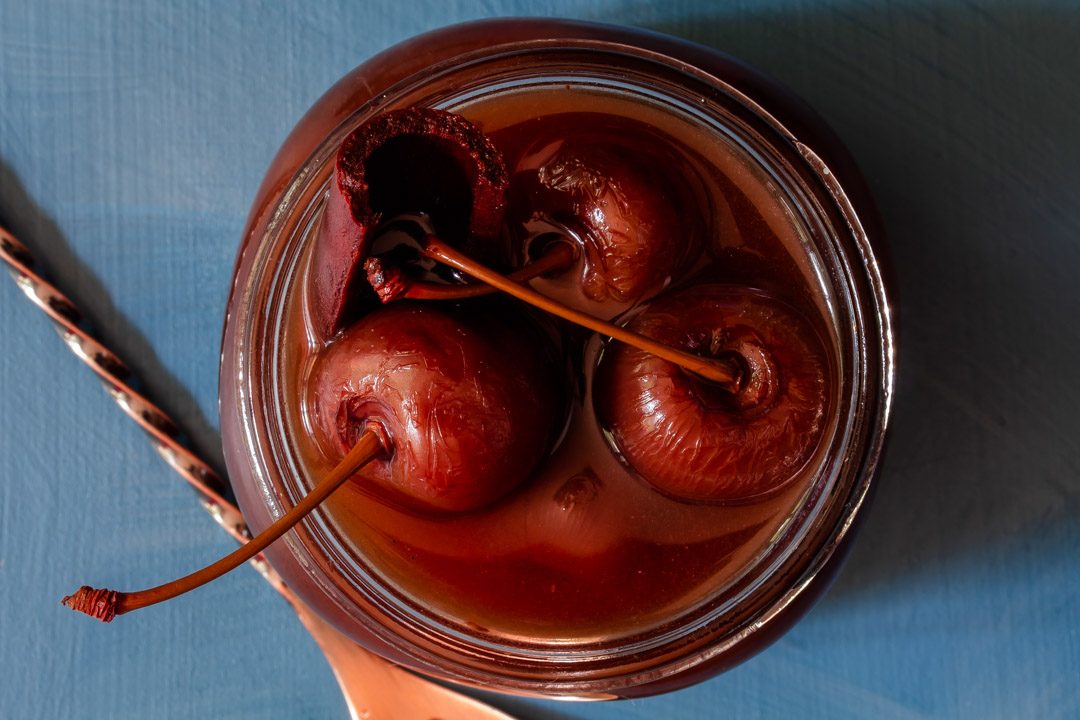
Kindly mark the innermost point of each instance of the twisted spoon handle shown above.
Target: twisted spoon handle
(117, 378)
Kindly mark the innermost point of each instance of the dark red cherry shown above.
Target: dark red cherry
(465, 399)
(621, 191)
(410, 161)
(696, 441)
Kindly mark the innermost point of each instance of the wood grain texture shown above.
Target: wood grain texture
(132, 137)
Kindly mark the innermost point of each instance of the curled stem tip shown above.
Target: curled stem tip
(98, 603)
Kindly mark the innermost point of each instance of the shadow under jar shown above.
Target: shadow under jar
(585, 581)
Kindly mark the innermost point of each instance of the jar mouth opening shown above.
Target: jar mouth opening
(856, 309)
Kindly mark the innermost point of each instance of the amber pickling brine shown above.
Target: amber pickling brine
(632, 527)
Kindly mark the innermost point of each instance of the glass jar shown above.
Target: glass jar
(787, 145)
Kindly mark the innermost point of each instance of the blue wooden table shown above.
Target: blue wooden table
(132, 138)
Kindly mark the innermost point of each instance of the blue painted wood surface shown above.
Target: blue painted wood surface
(132, 138)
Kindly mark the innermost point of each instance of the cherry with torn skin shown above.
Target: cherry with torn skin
(415, 160)
(694, 441)
(468, 401)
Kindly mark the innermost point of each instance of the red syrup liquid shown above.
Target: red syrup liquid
(586, 549)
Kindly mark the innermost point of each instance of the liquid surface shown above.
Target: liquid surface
(585, 549)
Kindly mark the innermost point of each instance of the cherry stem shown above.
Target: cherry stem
(106, 604)
(557, 257)
(726, 372)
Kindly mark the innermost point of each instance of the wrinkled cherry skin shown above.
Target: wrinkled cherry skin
(416, 160)
(621, 191)
(467, 403)
(697, 442)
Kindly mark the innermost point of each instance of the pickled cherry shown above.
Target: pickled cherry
(466, 402)
(415, 160)
(698, 442)
(620, 193)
